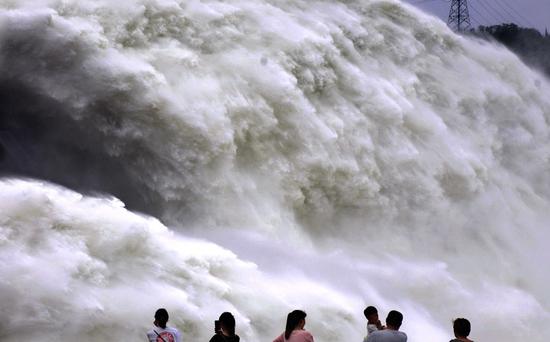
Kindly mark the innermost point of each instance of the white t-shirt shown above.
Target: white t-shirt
(370, 329)
(387, 335)
(158, 334)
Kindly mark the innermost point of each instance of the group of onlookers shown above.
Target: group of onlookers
(376, 332)
(224, 328)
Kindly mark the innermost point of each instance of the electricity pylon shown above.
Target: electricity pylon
(459, 16)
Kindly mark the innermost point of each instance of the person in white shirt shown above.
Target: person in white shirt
(391, 333)
(162, 333)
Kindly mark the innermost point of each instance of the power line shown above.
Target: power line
(511, 16)
(495, 11)
(494, 17)
(476, 22)
(478, 13)
(517, 13)
(491, 9)
(422, 2)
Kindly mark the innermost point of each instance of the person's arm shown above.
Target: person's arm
(150, 338)
(178, 336)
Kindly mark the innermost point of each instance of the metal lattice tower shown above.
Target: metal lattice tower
(459, 16)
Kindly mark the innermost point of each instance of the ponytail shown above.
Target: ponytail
(292, 321)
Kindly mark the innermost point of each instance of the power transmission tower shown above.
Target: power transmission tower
(459, 16)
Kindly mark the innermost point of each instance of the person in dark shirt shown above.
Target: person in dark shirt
(226, 331)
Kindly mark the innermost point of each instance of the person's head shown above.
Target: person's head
(461, 327)
(227, 323)
(371, 314)
(394, 320)
(295, 320)
(161, 318)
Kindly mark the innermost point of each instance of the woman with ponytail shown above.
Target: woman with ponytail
(294, 331)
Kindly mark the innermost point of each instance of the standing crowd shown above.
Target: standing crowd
(224, 328)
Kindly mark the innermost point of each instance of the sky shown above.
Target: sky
(526, 13)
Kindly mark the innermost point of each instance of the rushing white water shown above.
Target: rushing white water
(323, 155)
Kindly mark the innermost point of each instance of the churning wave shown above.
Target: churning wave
(357, 148)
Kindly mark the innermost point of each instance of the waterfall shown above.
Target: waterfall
(260, 156)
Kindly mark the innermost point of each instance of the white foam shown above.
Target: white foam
(363, 130)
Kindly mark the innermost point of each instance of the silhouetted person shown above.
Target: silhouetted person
(162, 333)
(373, 322)
(461, 328)
(391, 333)
(226, 332)
(294, 331)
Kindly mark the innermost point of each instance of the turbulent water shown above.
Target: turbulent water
(258, 156)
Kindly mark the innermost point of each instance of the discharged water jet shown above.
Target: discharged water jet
(305, 154)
